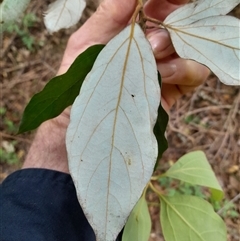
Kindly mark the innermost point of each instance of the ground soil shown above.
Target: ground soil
(207, 119)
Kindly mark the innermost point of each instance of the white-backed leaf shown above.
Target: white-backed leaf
(189, 218)
(63, 14)
(11, 10)
(214, 42)
(138, 226)
(110, 142)
(200, 9)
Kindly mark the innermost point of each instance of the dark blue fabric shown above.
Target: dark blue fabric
(41, 205)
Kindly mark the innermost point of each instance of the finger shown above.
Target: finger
(161, 9)
(109, 19)
(182, 72)
(161, 43)
(169, 95)
(179, 77)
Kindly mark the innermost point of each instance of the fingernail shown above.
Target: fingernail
(167, 70)
(161, 44)
(154, 42)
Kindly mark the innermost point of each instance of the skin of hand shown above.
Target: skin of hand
(179, 76)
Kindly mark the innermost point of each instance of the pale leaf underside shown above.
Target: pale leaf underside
(110, 142)
(63, 14)
(198, 10)
(214, 42)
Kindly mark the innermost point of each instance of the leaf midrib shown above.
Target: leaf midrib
(182, 218)
(116, 115)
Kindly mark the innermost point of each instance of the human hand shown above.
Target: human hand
(179, 76)
(48, 149)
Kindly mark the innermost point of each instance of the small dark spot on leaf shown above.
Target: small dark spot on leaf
(133, 96)
(195, 5)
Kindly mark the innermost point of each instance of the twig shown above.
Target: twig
(15, 137)
(195, 97)
(230, 202)
(208, 108)
(228, 125)
(4, 51)
(49, 67)
(219, 91)
(207, 97)
(22, 65)
(172, 128)
(202, 129)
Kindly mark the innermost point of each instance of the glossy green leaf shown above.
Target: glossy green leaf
(160, 128)
(195, 169)
(189, 218)
(60, 92)
(138, 226)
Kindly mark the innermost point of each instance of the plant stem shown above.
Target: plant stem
(155, 178)
(156, 21)
(154, 189)
(145, 190)
(227, 205)
(136, 12)
(154, 204)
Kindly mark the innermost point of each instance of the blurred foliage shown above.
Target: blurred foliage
(172, 187)
(8, 153)
(22, 29)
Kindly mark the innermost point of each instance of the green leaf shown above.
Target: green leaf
(59, 92)
(189, 218)
(138, 226)
(195, 169)
(160, 128)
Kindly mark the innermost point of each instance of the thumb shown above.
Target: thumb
(109, 19)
